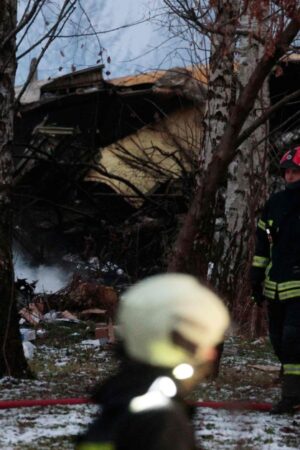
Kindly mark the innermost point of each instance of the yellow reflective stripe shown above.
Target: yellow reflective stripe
(270, 222)
(270, 284)
(289, 294)
(260, 261)
(291, 366)
(261, 224)
(96, 446)
(291, 369)
(288, 285)
(269, 267)
(269, 294)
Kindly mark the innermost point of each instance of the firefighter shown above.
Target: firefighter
(276, 277)
(168, 326)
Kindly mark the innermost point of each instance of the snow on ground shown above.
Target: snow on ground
(66, 370)
(220, 429)
(35, 426)
(217, 429)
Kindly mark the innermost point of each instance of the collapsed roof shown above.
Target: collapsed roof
(149, 116)
(89, 152)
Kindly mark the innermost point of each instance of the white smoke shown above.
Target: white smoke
(49, 278)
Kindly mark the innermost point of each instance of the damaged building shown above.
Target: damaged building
(104, 167)
(105, 161)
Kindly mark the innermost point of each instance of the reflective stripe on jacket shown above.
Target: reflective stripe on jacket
(277, 255)
(121, 425)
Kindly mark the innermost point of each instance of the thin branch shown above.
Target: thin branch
(24, 21)
(290, 10)
(61, 21)
(52, 32)
(90, 23)
(103, 171)
(29, 25)
(109, 30)
(265, 116)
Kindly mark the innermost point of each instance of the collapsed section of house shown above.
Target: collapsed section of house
(87, 306)
(98, 160)
(105, 168)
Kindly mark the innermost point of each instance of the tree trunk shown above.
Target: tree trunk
(246, 180)
(221, 85)
(220, 98)
(190, 249)
(12, 360)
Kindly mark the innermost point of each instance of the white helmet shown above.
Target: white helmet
(153, 309)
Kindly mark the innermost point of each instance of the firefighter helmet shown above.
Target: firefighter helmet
(291, 159)
(153, 309)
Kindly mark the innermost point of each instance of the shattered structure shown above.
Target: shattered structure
(105, 168)
(98, 160)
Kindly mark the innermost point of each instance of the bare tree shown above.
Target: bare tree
(237, 106)
(12, 361)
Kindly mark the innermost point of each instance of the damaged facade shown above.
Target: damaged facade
(104, 167)
(99, 162)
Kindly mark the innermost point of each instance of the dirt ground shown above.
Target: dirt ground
(68, 362)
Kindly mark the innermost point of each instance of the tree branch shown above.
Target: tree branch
(64, 15)
(23, 22)
(265, 116)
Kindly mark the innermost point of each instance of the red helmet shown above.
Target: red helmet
(291, 159)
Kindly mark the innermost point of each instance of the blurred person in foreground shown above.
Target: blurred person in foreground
(169, 326)
(275, 277)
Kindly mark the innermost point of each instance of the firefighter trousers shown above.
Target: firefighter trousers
(284, 331)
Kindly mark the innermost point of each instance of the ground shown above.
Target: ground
(68, 362)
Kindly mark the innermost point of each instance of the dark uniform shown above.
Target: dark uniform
(276, 266)
(162, 424)
(168, 326)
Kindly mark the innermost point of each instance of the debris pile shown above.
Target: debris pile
(82, 294)
(82, 300)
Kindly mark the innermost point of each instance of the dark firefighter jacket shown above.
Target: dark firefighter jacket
(277, 254)
(154, 427)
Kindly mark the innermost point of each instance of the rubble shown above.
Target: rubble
(81, 295)
(27, 334)
(81, 300)
(25, 291)
(56, 316)
(31, 314)
(28, 349)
